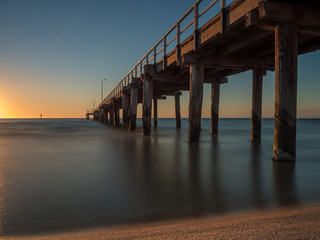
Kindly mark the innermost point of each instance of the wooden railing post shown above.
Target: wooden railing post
(178, 49)
(195, 22)
(223, 4)
(223, 10)
(164, 52)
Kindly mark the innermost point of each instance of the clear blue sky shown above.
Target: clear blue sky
(54, 54)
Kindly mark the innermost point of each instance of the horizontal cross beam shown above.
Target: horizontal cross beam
(229, 62)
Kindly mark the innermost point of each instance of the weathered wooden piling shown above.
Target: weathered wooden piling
(106, 111)
(215, 103)
(286, 52)
(101, 114)
(177, 109)
(116, 109)
(95, 115)
(256, 111)
(87, 116)
(147, 99)
(155, 113)
(195, 101)
(125, 107)
(215, 99)
(133, 103)
(111, 109)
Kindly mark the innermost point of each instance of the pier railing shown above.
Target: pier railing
(198, 15)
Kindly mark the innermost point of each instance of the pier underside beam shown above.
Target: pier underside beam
(256, 111)
(147, 99)
(195, 101)
(286, 51)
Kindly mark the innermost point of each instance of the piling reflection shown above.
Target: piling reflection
(256, 181)
(218, 205)
(284, 183)
(110, 176)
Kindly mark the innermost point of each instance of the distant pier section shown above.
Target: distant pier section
(210, 43)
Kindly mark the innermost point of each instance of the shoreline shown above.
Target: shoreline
(299, 222)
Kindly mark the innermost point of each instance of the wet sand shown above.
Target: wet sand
(285, 223)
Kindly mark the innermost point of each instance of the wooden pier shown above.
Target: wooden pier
(257, 35)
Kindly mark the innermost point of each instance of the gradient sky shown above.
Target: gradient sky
(54, 54)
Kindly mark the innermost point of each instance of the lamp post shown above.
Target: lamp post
(102, 88)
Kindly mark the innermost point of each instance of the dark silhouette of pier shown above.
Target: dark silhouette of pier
(257, 35)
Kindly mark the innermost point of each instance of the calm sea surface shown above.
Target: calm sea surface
(69, 174)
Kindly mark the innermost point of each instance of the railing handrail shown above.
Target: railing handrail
(125, 81)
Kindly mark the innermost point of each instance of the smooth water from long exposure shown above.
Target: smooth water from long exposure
(69, 174)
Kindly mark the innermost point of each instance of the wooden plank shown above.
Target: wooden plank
(211, 29)
(172, 57)
(238, 9)
(187, 45)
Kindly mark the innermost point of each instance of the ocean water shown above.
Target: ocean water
(70, 174)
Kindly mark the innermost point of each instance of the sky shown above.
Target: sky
(55, 53)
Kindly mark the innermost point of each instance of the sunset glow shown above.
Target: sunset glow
(58, 66)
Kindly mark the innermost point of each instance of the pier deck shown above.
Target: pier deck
(258, 35)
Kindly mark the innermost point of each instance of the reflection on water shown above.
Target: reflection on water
(69, 174)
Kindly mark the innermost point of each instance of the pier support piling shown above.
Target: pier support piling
(125, 107)
(215, 103)
(195, 101)
(147, 99)
(256, 111)
(215, 99)
(116, 113)
(177, 108)
(111, 114)
(133, 104)
(286, 52)
(105, 117)
(155, 113)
